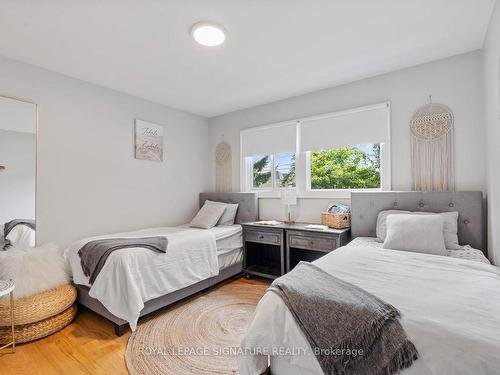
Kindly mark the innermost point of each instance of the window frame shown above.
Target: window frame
(303, 164)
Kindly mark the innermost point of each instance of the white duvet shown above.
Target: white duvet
(132, 276)
(450, 309)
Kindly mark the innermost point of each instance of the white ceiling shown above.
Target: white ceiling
(274, 49)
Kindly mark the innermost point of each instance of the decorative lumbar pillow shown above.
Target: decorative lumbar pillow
(417, 233)
(382, 222)
(208, 216)
(34, 270)
(229, 214)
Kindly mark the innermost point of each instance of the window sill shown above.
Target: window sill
(313, 194)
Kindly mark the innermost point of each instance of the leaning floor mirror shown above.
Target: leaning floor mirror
(18, 127)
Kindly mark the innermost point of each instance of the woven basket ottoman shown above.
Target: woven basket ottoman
(39, 315)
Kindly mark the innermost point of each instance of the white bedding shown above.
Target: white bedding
(130, 277)
(21, 236)
(464, 252)
(450, 309)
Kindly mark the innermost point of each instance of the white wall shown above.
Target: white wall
(17, 181)
(88, 179)
(491, 60)
(455, 81)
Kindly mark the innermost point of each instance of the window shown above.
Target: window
(356, 167)
(270, 172)
(322, 156)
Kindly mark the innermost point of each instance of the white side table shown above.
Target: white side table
(7, 287)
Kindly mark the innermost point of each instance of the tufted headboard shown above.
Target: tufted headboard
(248, 209)
(469, 204)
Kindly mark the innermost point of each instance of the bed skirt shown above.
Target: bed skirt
(159, 302)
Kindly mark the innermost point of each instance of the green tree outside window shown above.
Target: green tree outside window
(346, 168)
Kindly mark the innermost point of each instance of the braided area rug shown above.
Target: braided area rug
(195, 337)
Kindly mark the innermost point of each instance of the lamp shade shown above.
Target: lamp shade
(289, 197)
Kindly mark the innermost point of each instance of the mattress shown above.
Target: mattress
(229, 242)
(466, 252)
(449, 310)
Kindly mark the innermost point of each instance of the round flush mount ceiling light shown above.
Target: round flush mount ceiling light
(208, 34)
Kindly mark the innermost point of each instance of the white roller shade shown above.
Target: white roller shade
(269, 140)
(346, 128)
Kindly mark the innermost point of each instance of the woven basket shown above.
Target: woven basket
(43, 328)
(336, 220)
(39, 306)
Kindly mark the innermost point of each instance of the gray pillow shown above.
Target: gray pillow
(229, 214)
(208, 216)
(417, 233)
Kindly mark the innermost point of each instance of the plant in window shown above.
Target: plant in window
(261, 171)
(346, 168)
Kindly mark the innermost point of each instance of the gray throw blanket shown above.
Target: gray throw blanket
(350, 331)
(93, 254)
(12, 224)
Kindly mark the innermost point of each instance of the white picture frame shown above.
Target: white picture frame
(148, 141)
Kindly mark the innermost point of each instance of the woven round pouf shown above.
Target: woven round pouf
(34, 331)
(197, 337)
(39, 315)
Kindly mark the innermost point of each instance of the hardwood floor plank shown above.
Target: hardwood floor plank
(88, 346)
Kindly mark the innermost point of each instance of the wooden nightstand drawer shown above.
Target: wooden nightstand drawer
(306, 242)
(263, 237)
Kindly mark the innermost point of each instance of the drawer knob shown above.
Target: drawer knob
(311, 243)
(261, 236)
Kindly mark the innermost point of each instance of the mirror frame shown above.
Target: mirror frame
(37, 148)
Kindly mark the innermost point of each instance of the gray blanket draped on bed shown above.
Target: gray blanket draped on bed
(349, 330)
(93, 254)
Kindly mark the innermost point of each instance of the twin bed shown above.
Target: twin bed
(449, 305)
(135, 282)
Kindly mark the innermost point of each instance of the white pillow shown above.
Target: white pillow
(229, 214)
(450, 228)
(34, 270)
(208, 216)
(450, 225)
(417, 233)
(382, 222)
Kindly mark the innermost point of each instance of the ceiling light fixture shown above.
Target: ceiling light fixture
(208, 34)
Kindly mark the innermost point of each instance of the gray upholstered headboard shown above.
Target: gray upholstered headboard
(248, 209)
(469, 204)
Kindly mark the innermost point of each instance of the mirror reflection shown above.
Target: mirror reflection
(17, 173)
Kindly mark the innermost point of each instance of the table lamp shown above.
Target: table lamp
(288, 198)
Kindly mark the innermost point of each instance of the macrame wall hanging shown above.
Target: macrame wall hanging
(223, 168)
(432, 148)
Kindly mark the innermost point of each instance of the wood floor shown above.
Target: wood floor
(86, 346)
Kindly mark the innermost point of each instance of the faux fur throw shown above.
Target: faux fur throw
(34, 270)
(340, 320)
(93, 254)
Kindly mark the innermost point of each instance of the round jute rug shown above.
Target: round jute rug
(199, 336)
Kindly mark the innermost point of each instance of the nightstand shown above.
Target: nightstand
(305, 244)
(263, 250)
(271, 251)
